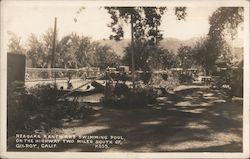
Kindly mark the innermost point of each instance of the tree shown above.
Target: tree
(157, 58)
(77, 52)
(35, 51)
(203, 55)
(213, 50)
(85, 52)
(72, 51)
(66, 57)
(185, 54)
(106, 57)
(141, 56)
(150, 58)
(170, 60)
(39, 51)
(14, 45)
(223, 22)
(48, 46)
(144, 23)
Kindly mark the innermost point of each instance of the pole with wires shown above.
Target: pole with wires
(54, 50)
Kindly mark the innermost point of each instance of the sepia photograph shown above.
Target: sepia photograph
(103, 77)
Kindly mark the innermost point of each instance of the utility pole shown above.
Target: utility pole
(156, 29)
(53, 50)
(132, 52)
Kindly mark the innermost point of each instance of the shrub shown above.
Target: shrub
(24, 106)
(236, 82)
(44, 94)
(70, 110)
(37, 108)
(129, 98)
(168, 81)
(17, 114)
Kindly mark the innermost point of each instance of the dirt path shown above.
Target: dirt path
(195, 119)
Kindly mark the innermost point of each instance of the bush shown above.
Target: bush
(17, 113)
(45, 94)
(24, 106)
(129, 99)
(37, 108)
(70, 110)
(168, 81)
(236, 83)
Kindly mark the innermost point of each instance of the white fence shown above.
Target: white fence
(34, 74)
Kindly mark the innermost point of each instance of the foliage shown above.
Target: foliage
(44, 93)
(16, 110)
(203, 54)
(213, 50)
(169, 60)
(122, 97)
(142, 54)
(70, 110)
(72, 51)
(35, 51)
(37, 108)
(185, 54)
(14, 45)
(150, 57)
(168, 81)
(105, 57)
(144, 24)
(145, 21)
(39, 51)
(236, 82)
(223, 22)
(24, 107)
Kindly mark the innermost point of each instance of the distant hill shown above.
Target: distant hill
(118, 46)
(168, 43)
(172, 44)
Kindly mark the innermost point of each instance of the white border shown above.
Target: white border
(169, 3)
(246, 93)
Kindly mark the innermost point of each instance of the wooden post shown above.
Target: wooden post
(156, 40)
(53, 50)
(132, 52)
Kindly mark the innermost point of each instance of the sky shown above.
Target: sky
(92, 21)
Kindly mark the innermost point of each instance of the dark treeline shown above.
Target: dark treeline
(72, 51)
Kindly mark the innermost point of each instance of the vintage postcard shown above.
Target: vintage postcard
(125, 79)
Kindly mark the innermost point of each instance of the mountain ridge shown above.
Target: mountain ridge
(172, 44)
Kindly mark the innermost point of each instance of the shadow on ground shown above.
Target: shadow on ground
(191, 120)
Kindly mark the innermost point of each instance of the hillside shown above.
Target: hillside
(172, 44)
(168, 43)
(118, 46)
